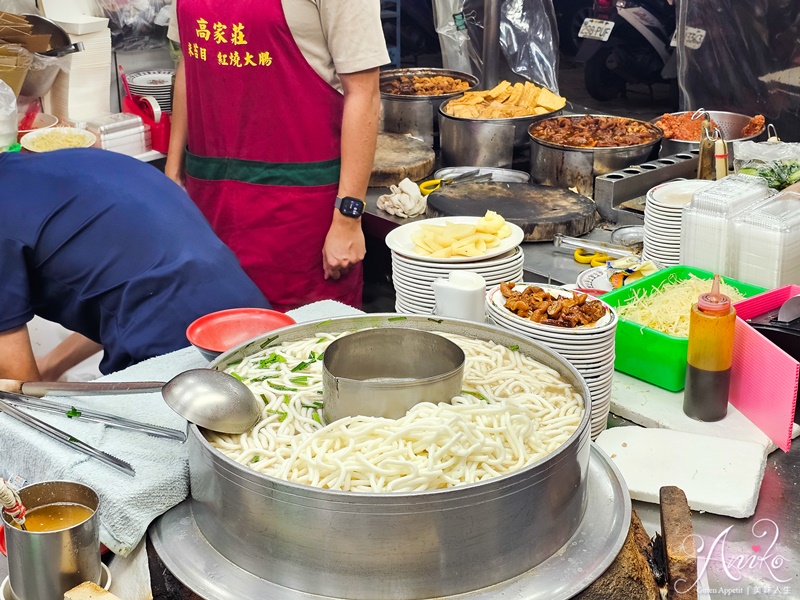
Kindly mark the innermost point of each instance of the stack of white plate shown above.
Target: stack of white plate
(413, 274)
(156, 83)
(662, 219)
(590, 349)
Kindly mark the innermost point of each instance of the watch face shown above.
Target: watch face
(351, 207)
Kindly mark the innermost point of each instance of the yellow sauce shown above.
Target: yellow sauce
(54, 517)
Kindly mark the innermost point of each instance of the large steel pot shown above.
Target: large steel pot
(569, 167)
(44, 70)
(416, 115)
(483, 142)
(398, 546)
(730, 126)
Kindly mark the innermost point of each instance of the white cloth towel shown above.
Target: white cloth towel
(127, 504)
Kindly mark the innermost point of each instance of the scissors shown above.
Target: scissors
(427, 187)
(595, 259)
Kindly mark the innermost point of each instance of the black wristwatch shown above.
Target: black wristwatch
(350, 207)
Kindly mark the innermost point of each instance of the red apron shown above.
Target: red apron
(264, 147)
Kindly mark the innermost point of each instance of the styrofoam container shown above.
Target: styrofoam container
(82, 24)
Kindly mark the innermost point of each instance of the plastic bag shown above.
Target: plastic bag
(734, 55)
(528, 38)
(776, 162)
(8, 117)
(136, 24)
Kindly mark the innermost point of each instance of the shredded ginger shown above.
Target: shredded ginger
(666, 307)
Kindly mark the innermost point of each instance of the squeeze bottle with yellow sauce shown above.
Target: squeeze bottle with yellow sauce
(708, 369)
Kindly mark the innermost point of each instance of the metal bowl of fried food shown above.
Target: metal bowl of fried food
(410, 98)
(731, 126)
(483, 128)
(569, 152)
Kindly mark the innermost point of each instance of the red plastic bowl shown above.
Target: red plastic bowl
(217, 332)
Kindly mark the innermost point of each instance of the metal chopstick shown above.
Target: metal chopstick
(93, 415)
(66, 438)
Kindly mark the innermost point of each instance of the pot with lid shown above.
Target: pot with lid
(406, 112)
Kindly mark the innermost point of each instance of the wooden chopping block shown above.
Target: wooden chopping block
(541, 211)
(400, 156)
(629, 577)
(679, 549)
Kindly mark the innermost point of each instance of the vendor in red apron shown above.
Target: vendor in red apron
(275, 118)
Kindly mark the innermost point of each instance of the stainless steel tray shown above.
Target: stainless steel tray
(595, 545)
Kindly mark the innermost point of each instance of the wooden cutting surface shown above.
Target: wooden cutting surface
(541, 211)
(400, 156)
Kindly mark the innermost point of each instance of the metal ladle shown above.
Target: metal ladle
(213, 400)
(208, 398)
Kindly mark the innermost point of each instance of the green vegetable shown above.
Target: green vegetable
(235, 374)
(514, 347)
(316, 417)
(280, 388)
(73, 440)
(317, 404)
(264, 398)
(321, 340)
(269, 341)
(287, 398)
(300, 380)
(282, 416)
(314, 356)
(475, 394)
(73, 412)
(397, 319)
(778, 174)
(256, 458)
(271, 360)
(300, 367)
(263, 378)
(324, 323)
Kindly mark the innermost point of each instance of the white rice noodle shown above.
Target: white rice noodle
(513, 412)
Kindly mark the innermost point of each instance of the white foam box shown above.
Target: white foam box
(718, 475)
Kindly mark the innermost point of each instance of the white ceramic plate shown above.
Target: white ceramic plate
(498, 271)
(595, 278)
(557, 340)
(400, 241)
(676, 194)
(31, 140)
(512, 256)
(495, 297)
(151, 79)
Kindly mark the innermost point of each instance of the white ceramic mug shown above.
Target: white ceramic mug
(461, 296)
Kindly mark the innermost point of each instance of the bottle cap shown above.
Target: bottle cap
(714, 302)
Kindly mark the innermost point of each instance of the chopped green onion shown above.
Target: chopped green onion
(475, 394)
(300, 380)
(280, 388)
(287, 398)
(321, 340)
(269, 341)
(514, 347)
(73, 412)
(263, 378)
(309, 406)
(235, 374)
(300, 367)
(319, 392)
(264, 398)
(324, 323)
(256, 458)
(317, 404)
(315, 416)
(282, 416)
(397, 319)
(270, 360)
(73, 440)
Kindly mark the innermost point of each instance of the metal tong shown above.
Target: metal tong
(474, 176)
(64, 437)
(91, 415)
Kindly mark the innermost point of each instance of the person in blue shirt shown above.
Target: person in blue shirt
(111, 249)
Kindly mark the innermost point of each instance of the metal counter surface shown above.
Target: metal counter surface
(757, 557)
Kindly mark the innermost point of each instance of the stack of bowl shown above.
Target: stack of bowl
(590, 349)
(662, 219)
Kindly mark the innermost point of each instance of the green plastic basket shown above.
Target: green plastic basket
(648, 354)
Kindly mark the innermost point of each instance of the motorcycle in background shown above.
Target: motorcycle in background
(628, 41)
